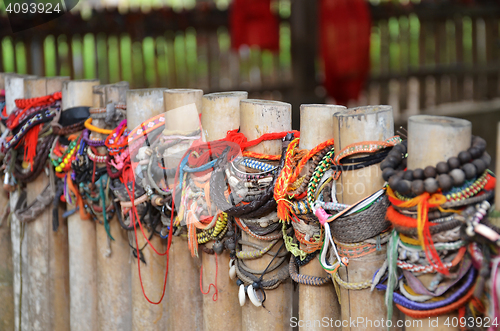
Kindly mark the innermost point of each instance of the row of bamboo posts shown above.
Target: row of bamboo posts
(76, 279)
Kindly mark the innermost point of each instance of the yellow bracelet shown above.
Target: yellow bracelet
(88, 125)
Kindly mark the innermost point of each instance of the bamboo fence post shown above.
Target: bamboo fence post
(81, 234)
(14, 89)
(114, 294)
(258, 117)
(220, 113)
(6, 267)
(59, 253)
(48, 290)
(317, 302)
(432, 139)
(496, 221)
(143, 104)
(370, 123)
(183, 281)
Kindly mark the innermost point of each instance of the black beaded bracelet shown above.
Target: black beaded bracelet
(467, 165)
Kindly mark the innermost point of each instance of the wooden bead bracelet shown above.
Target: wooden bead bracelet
(467, 165)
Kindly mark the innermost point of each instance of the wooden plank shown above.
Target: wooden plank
(422, 61)
(6, 267)
(113, 256)
(143, 104)
(69, 40)
(81, 234)
(384, 60)
(491, 25)
(459, 56)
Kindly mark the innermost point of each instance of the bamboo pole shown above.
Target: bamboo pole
(14, 89)
(432, 139)
(220, 113)
(496, 221)
(48, 290)
(317, 302)
(81, 234)
(143, 104)
(6, 268)
(371, 123)
(258, 117)
(114, 294)
(183, 280)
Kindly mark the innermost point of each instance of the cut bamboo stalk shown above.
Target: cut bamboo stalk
(371, 123)
(432, 139)
(81, 234)
(258, 117)
(496, 221)
(183, 280)
(220, 113)
(6, 268)
(14, 89)
(114, 294)
(142, 105)
(48, 301)
(317, 302)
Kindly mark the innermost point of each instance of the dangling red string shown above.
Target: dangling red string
(125, 177)
(30, 144)
(215, 297)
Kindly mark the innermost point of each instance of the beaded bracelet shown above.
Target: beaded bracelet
(255, 164)
(96, 110)
(445, 175)
(245, 228)
(94, 157)
(255, 254)
(63, 163)
(322, 167)
(43, 117)
(212, 234)
(430, 268)
(15, 120)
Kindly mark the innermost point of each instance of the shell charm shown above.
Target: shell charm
(241, 295)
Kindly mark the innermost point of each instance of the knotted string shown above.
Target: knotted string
(281, 186)
(424, 202)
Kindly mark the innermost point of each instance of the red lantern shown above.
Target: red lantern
(252, 23)
(345, 29)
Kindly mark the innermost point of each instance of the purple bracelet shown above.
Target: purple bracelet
(90, 142)
(401, 300)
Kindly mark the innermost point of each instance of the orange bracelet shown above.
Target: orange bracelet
(262, 156)
(438, 311)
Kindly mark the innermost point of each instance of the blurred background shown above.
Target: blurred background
(420, 56)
